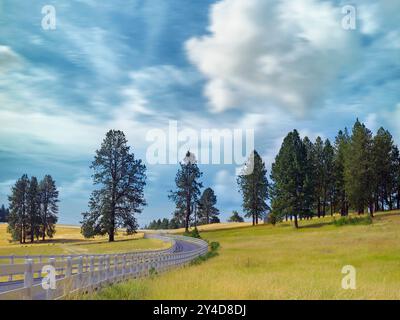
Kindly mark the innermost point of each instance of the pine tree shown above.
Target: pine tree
(48, 206)
(396, 174)
(382, 149)
(359, 177)
(253, 185)
(187, 190)
(207, 210)
(121, 180)
(329, 180)
(319, 174)
(33, 209)
(341, 145)
(18, 217)
(3, 213)
(235, 217)
(311, 182)
(291, 192)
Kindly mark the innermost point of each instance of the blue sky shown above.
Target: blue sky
(134, 65)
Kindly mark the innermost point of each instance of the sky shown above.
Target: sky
(135, 65)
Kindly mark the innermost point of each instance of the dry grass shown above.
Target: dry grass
(267, 262)
(68, 240)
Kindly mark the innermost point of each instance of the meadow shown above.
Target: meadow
(68, 240)
(280, 262)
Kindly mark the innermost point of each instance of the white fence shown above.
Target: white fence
(85, 273)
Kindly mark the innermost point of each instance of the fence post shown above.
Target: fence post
(68, 271)
(10, 276)
(100, 270)
(80, 272)
(124, 265)
(28, 279)
(91, 271)
(115, 271)
(107, 268)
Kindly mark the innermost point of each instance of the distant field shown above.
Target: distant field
(68, 240)
(267, 262)
(210, 227)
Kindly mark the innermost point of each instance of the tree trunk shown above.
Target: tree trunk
(319, 207)
(296, 225)
(253, 219)
(371, 209)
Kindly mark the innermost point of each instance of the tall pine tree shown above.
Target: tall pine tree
(359, 166)
(253, 185)
(121, 180)
(187, 190)
(206, 208)
(48, 194)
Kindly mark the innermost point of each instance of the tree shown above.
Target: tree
(3, 213)
(206, 208)
(396, 174)
(48, 194)
(382, 155)
(341, 146)
(121, 179)
(235, 217)
(319, 173)
(17, 219)
(164, 224)
(33, 207)
(291, 189)
(329, 179)
(359, 176)
(187, 190)
(253, 185)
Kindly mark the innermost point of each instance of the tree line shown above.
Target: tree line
(192, 206)
(33, 209)
(359, 171)
(4, 213)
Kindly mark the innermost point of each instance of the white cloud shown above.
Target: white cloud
(225, 187)
(8, 59)
(271, 53)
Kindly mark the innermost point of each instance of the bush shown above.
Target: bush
(193, 233)
(214, 246)
(352, 221)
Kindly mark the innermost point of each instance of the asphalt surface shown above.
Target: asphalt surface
(181, 246)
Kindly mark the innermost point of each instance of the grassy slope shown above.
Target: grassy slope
(68, 240)
(280, 262)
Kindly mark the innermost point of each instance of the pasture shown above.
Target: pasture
(280, 262)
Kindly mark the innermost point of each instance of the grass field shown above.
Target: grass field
(68, 240)
(267, 262)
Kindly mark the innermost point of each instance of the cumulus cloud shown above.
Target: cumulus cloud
(271, 52)
(288, 54)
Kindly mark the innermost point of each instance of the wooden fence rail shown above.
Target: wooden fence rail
(85, 273)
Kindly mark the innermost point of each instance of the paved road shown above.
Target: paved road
(181, 246)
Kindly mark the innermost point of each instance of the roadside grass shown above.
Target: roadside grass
(280, 262)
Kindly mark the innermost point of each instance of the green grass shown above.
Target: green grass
(267, 262)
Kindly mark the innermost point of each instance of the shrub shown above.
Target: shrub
(214, 246)
(193, 233)
(352, 221)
